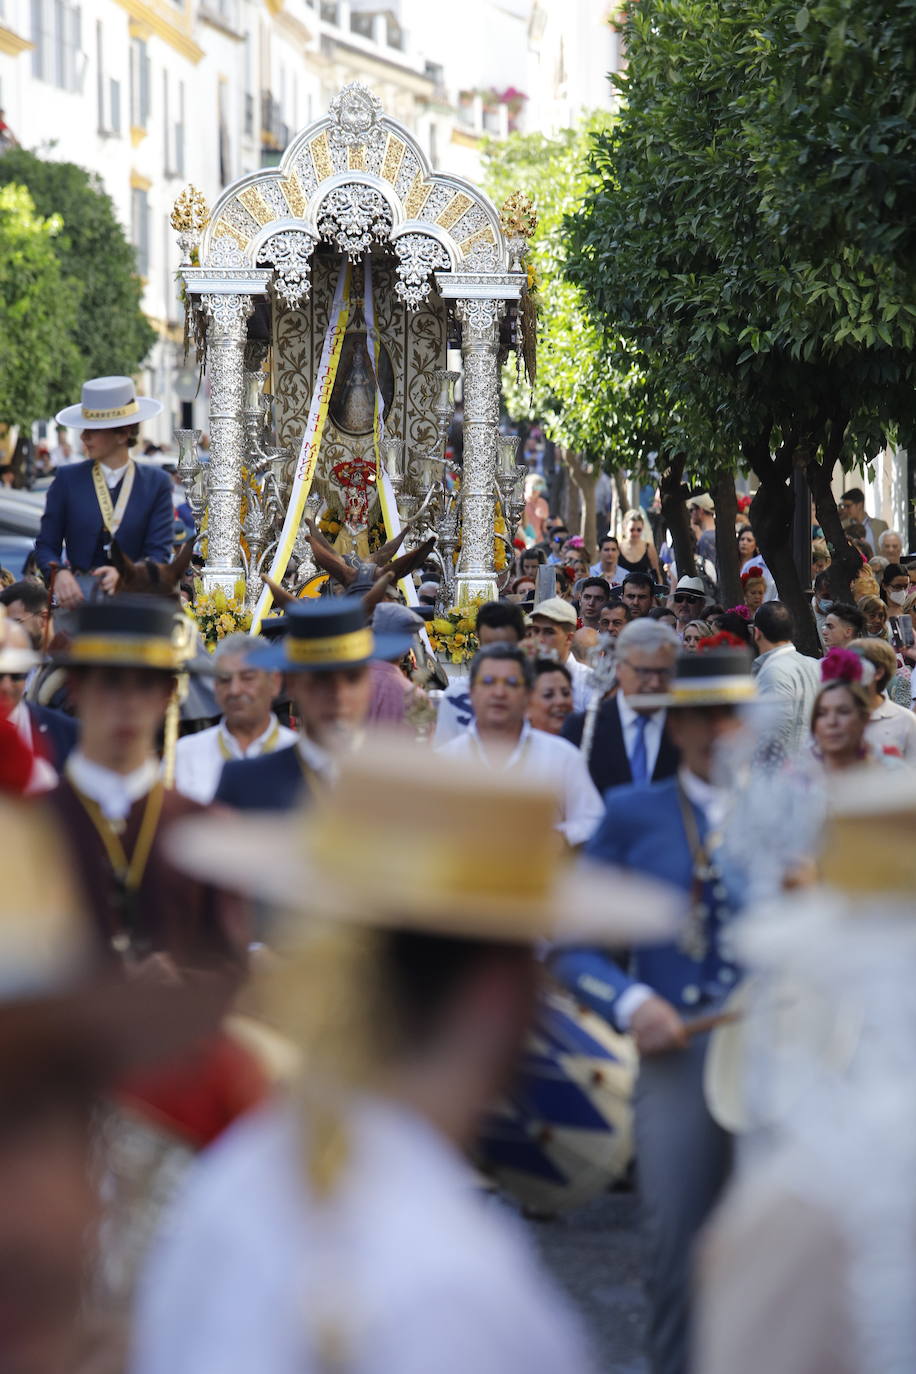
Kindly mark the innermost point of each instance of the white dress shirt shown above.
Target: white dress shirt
(404, 1269)
(545, 759)
(581, 675)
(893, 727)
(710, 801)
(115, 793)
(316, 758)
(112, 475)
(199, 758)
(655, 726)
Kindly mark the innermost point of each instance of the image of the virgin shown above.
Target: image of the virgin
(353, 398)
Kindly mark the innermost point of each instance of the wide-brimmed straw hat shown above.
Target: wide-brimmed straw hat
(408, 840)
(59, 1005)
(132, 632)
(712, 677)
(867, 853)
(109, 403)
(321, 635)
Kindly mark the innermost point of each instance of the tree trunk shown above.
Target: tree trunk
(771, 515)
(727, 560)
(584, 478)
(674, 515)
(845, 560)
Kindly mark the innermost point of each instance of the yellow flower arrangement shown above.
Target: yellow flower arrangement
(453, 636)
(217, 614)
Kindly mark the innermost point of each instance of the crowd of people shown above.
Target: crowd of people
(297, 941)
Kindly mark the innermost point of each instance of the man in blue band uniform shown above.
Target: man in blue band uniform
(668, 829)
(108, 496)
(325, 656)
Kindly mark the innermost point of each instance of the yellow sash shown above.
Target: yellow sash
(113, 515)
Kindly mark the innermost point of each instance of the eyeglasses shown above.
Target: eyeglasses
(686, 598)
(488, 680)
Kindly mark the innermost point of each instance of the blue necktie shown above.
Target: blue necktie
(639, 762)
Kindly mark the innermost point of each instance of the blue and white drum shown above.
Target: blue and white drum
(563, 1133)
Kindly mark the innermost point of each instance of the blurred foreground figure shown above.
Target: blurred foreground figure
(342, 1230)
(810, 1264)
(68, 1028)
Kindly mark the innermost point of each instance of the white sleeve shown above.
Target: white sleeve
(628, 1003)
(583, 808)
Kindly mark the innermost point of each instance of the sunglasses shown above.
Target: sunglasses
(488, 680)
(15, 677)
(686, 598)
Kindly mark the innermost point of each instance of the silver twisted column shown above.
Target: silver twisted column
(479, 344)
(226, 366)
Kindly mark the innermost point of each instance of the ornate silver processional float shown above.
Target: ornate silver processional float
(324, 295)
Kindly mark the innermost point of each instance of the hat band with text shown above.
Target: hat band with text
(113, 413)
(345, 648)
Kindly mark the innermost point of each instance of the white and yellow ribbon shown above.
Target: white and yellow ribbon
(389, 506)
(311, 439)
(113, 515)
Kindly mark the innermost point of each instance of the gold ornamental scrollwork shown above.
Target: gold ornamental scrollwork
(518, 216)
(190, 213)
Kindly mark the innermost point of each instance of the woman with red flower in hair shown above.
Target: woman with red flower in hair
(841, 713)
(754, 586)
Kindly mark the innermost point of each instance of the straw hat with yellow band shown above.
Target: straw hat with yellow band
(109, 403)
(132, 632)
(403, 842)
(327, 634)
(862, 902)
(711, 677)
(408, 841)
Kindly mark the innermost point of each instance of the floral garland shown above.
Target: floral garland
(217, 614)
(453, 637)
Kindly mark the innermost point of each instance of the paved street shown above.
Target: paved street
(595, 1254)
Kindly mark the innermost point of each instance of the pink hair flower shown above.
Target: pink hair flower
(841, 665)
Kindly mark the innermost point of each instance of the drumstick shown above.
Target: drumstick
(700, 1024)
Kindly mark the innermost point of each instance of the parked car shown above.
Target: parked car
(14, 550)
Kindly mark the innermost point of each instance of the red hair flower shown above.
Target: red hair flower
(723, 640)
(841, 665)
(754, 571)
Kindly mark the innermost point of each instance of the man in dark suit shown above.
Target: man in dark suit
(325, 655)
(108, 496)
(631, 742)
(670, 830)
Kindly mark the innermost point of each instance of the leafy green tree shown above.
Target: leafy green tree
(110, 332)
(38, 310)
(590, 394)
(602, 400)
(752, 235)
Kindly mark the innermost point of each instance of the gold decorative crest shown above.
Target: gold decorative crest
(190, 213)
(518, 216)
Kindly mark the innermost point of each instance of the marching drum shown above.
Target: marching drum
(563, 1133)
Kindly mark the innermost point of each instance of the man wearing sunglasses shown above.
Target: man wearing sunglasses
(49, 734)
(688, 601)
(502, 740)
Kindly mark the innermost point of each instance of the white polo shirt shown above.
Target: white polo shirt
(199, 758)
